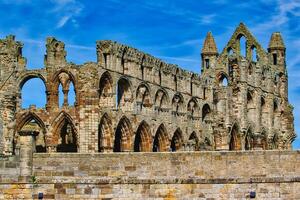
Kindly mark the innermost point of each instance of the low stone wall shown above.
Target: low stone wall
(180, 175)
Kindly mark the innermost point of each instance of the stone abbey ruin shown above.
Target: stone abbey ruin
(129, 101)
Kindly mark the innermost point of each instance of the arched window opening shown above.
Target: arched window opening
(161, 140)
(106, 90)
(229, 51)
(177, 104)
(274, 58)
(177, 141)
(143, 98)
(243, 46)
(193, 142)
(143, 138)
(105, 134)
(275, 106)
(207, 64)
(123, 136)
(223, 80)
(263, 103)
(71, 95)
(33, 92)
(67, 138)
(161, 101)
(254, 54)
(206, 112)
(192, 108)
(66, 90)
(235, 142)
(124, 94)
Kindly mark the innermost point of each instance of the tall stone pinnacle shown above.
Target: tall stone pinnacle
(276, 41)
(209, 46)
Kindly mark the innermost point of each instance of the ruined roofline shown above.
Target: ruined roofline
(127, 53)
(243, 30)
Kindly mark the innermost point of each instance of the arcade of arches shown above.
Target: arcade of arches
(132, 101)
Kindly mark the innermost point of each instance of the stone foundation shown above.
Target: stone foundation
(180, 175)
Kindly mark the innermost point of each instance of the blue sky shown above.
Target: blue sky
(172, 30)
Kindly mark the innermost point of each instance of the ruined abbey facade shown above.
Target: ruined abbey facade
(130, 101)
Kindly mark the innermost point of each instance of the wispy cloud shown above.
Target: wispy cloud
(67, 11)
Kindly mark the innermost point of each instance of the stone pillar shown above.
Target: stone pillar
(26, 150)
(66, 92)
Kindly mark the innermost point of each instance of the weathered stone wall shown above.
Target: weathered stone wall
(9, 169)
(130, 101)
(197, 175)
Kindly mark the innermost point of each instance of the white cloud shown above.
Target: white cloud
(207, 19)
(63, 21)
(66, 11)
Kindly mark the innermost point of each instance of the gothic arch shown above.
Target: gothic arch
(123, 136)
(143, 138)
(65, 133)
(65, 79)
(235, 139)
(222, 79)
(40, 139)
(177, 103)
(206, 112)
(177, 140)
(27, 78)
(193, 107)
(105, 134)
(193, 141)
(248, 139)
(30, 75)
(124, 93)
(27, 117)
(242, 45)
(55, 77)
(143, 95)
(161, 139)
(106, 90)
(161, 99)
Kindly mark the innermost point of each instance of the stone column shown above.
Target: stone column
(65, 92)
(26, 150)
